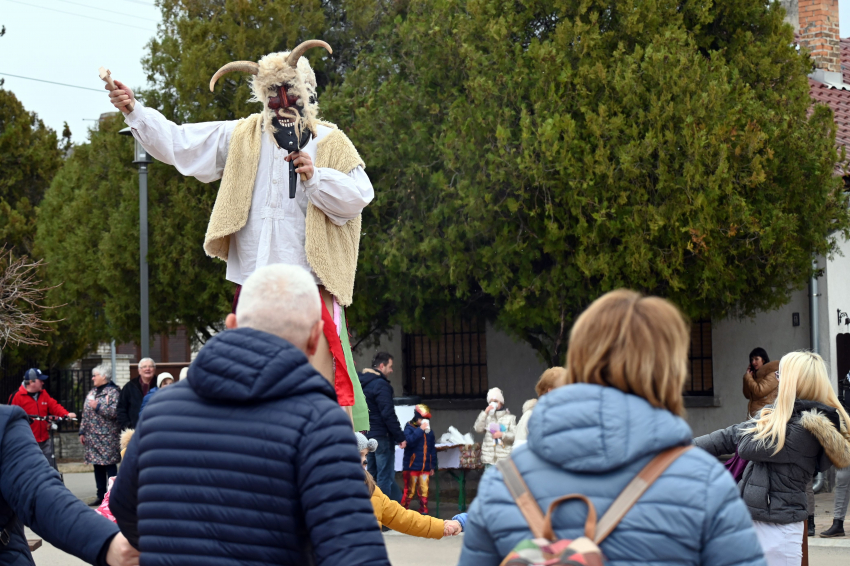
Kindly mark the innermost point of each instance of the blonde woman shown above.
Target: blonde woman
(547, 382)
(619, 405)
(786, 443)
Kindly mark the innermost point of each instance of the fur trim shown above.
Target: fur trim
(233, 202)
(835, 444)
(496, 394)
(125, 438)
(333, 250)
(528, 405)
(274, 70)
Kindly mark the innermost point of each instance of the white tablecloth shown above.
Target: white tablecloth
(449, 458)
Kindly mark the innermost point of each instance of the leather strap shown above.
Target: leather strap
(589, 523)
(522, 496)
(629, 496)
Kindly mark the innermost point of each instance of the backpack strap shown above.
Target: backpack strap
(522, 496)
(633, 491)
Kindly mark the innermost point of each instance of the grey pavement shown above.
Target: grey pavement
(412, 551)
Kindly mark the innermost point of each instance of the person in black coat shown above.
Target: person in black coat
(250, 460)
(383, 423)
(133, 393)
(32, 494)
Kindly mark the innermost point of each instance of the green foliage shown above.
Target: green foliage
(89, 235)
(528, 157)
(29, 157)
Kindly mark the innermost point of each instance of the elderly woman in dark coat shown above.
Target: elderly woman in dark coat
(99, 431)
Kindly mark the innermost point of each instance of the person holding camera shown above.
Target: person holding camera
(760, 383)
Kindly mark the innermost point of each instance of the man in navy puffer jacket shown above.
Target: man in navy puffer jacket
(593, 440)
(250, 460)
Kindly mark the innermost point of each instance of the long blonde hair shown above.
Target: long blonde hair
(802, 375)
(636, 344)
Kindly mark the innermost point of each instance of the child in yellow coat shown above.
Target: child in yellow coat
(392, 515)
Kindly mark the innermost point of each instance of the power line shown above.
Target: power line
(110, 11)
(52, 82)
(139, 2)
(78, 15)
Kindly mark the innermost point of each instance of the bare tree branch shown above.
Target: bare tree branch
(22, 311)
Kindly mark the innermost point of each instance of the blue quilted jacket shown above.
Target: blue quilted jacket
(30, 489)
(593, 440)
(250, 460)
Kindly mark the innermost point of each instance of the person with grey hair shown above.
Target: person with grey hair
(134, 392)
(99, 432)
(252, 412)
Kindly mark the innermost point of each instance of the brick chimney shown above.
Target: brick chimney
(818, 21)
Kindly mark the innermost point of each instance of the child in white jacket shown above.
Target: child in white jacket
(498, 426)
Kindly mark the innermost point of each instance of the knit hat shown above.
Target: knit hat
(423, 411)
(183, 373)
(162, 377)
(495, 394)
(364, 443)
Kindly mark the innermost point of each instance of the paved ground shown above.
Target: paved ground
(411, 551)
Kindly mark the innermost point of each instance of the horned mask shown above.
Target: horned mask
(286, 86)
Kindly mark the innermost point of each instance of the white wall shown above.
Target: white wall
(834, 288)
(511, 365)
(732, 341)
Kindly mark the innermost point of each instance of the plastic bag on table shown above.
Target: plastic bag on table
(452, 437)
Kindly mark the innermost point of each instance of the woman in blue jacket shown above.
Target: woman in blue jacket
(420, 458)
(620, 406)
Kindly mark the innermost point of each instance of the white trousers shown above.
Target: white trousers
(782, 544)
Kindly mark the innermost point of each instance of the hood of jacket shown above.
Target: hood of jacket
(590, 428)
(529, 405)
(248, 365)
(367, 377)
(824, 423)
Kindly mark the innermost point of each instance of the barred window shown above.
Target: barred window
(701, 379)
(451, 366)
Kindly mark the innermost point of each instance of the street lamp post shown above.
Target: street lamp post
(142, 159)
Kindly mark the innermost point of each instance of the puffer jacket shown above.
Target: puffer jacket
(31, 489)
(774, 486)
(521, 436)
(392, 515)
(490, 452)
(249, 460)
(760, 389)
(593, 440)
(421, 449)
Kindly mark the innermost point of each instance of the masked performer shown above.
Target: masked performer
(292, 190)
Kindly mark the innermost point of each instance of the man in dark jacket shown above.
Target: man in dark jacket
(250, 460)
(32, 494)
(133, 393)
(383, 423)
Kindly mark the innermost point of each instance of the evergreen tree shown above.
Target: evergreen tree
(528, 157)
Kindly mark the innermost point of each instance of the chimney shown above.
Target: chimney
(818, 20)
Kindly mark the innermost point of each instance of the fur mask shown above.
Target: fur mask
(286, 86)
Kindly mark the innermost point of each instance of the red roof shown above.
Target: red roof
(838, 99)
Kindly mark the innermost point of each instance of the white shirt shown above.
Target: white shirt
(275, 231)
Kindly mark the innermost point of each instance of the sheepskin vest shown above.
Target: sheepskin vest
(331, 250)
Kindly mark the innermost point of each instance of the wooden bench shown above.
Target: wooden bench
(35, 543)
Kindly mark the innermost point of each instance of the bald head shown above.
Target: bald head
(282, 300)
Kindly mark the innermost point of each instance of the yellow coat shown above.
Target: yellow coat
(392, 515)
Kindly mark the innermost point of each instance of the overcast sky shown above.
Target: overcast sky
(66, 41)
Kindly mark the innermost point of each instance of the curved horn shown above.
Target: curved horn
(244, 66)
(296, 53)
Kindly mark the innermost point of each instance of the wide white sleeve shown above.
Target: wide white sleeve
(341, 197)
(197, 150)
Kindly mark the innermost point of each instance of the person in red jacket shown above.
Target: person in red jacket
(35, 401)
